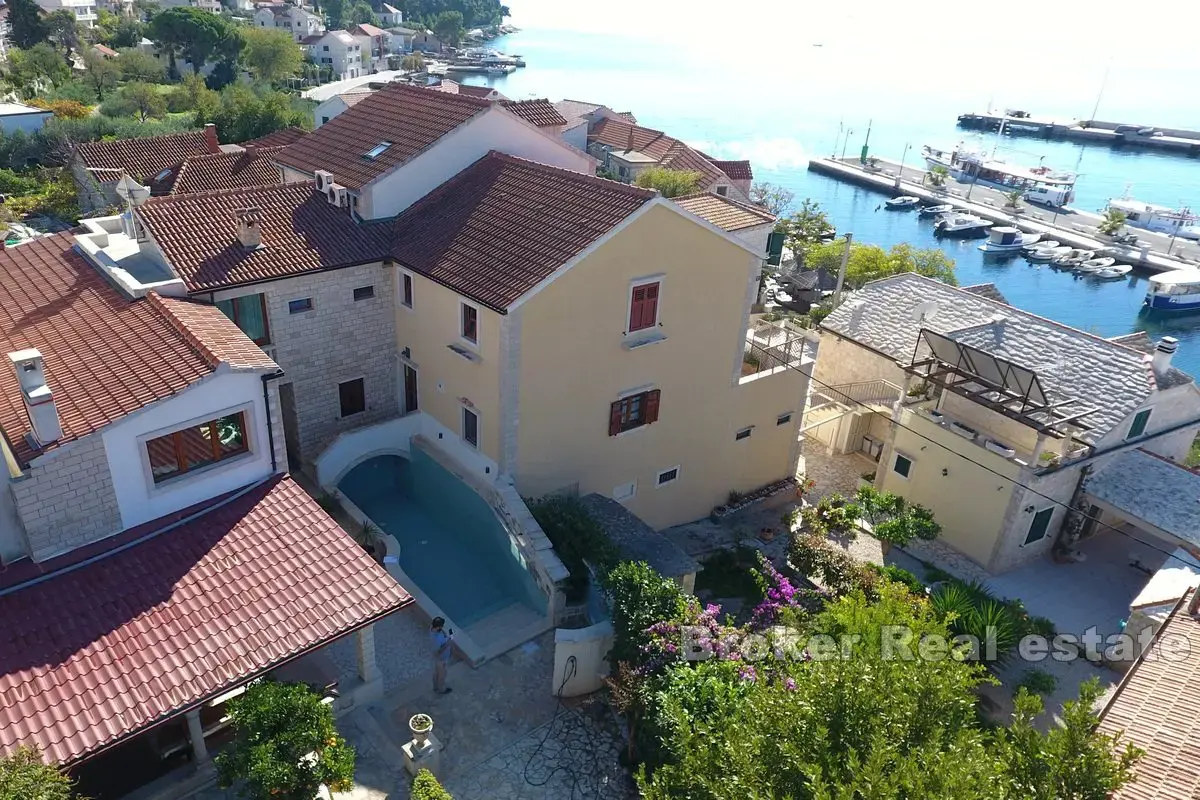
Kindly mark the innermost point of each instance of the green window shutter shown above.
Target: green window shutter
(775, 248)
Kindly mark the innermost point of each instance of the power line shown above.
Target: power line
(1013, 481)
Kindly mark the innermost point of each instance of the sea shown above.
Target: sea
(780, 82)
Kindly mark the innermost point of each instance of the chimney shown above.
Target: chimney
(39, 401)
(1162, 355)
(210, 138)
(1193, 606)
(251, 149)
(249, 229)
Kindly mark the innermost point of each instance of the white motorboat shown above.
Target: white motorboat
(1110, 273)
(1096, 264)
(1072, 258)
(1040, 244)
(961, 224)
(1047, 253)
(904, 201)
(1171, 221)
(1005, 239)
(1177, 290)
(933, 211)
(1038, 184)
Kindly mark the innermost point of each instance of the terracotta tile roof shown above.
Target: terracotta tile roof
(504, 224)
(146, 157)
(108, 52)
(410, 117)
(104, 355)
(723, 212)
(668, 151)
(301, 232)
(356, 97)
(92, 655)
(736, 170)
(210, 173)
(540, 113)
(575, 111)
(212, 334)
(278, 138)
(1155, 708)
(367, 29)
(475, 91)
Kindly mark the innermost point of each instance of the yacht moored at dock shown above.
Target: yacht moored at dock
(961, 225)
(1005, 239)
(1040, 185)
(1178, 290)
(1172, 221)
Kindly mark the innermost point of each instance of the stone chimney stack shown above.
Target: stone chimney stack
(39, 400)
(210, 138)
(249, 228)
(1162, 355)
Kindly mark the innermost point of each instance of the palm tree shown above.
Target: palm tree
(1114, 220)
(937, 175)
(1013, 198)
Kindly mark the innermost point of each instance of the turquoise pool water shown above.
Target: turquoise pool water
(452, 546)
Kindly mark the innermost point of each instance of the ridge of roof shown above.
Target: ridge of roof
(735, 215)
(143, 156)
(539, 112)
(238, 160)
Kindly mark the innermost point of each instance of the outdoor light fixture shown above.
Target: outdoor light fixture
(1029, 509)
(945, 472)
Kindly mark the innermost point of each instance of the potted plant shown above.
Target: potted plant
(1049, 459)
(1012, 200)
(1114, 220)
(750, 364)
(421, 726)
(937, 176)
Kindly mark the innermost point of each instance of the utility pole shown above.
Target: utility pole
(837, 293)
(900, 174)
(846, 143)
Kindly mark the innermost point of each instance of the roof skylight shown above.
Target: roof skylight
(377, 150)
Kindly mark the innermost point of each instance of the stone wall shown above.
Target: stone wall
(67, 499)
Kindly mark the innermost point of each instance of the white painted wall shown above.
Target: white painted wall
(138, 498)
(577, 136)
(327, 111)
(494, 130)
(756, 237)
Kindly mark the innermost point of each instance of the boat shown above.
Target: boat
(1072, 258)
(1038, 244)
(1109, 273)
(933, 211)
(904, 201)
(1040, 184)
(1177, 290)
(1096, 264)
(961, 224)
(1147, 216)
(1005, 239)
(1047, 253)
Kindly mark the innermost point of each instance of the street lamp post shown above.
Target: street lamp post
(846, 143)
(900, 173)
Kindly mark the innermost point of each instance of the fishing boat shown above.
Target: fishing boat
(1041, 245)
(1177, 290)
(1005, 239)
(1073, 258)
(1118, 271)
(1096, 264)
(961, 225)
(933, 211)
(1040, 184)
(1171, 221)
(904, 201)
(1047, 253)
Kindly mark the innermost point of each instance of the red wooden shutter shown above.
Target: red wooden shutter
(614, 418)
(635, 308)
(652, 406)
(650, 306)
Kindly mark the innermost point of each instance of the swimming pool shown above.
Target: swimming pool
(452, 546)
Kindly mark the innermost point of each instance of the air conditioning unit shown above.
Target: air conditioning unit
(337, 195)
(324, 180)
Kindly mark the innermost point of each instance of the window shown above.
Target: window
(470, 323)
(324, 120)
(352, 396)
(1138, 427)
(902, 466)
(406, 290)
(744, 433)
(633, 411)
(623, 172)
(470, 427)
(668, 476)
(1040, 525)
(199, 446)
(300, 306)
(411, 393)
(643, 307)
(783, 419)
(248, 312)
(723, 190)
(364, 293)
(324, 49)
(378, 150)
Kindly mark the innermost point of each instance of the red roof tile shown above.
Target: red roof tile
(301, 232)
(367, 29)
(723, 212)
(212, 172)
(504, 224)
(410, 117)
(540, 113)
(475, 91)
(1155, 708)
(146, 157)
(105, 356)
(212, 334)
(278, 138)
(736, 170)
(94, 654)
(668, 151)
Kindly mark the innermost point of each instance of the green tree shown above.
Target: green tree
(773, 197)
(63, 29)
(242, 113)
(641, 597)
(24, 775)
(139, 66)
(38, 65)
(670, 182)
(190, 94)
(1114, 220)
(191, 32)
(869, 262)
(335, 14)
(805, 229)
(99, 73)
(414, 62)
(1013, 199)
(127, 33)
(285, 745)
(28, 28)
(362, 13)
(937, 175)
(426, 787)
(144, 100)
(932, 262)
(271, 54)
(894, 520)
(448, 27)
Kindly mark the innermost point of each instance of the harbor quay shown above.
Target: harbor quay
(1154, 252)
(1117, 134)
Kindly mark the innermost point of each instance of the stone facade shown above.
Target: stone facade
(339, 339)
(94, 196)
(67, 499)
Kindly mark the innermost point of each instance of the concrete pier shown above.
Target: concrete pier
(1118, 134)
(1069, 226)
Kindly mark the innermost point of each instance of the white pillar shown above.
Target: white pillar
(196, 734)
(364, 641)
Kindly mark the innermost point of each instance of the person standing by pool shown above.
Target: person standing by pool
(442, 653)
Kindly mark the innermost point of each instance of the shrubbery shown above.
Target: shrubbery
(576, 538)
(426, 787)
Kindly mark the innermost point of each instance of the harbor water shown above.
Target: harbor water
(781, 83)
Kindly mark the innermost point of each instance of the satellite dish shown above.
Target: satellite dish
(925, 310)
(131, 191)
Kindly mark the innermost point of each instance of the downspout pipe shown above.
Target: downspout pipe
(267, 376)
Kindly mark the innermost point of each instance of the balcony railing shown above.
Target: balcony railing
(770, 346)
